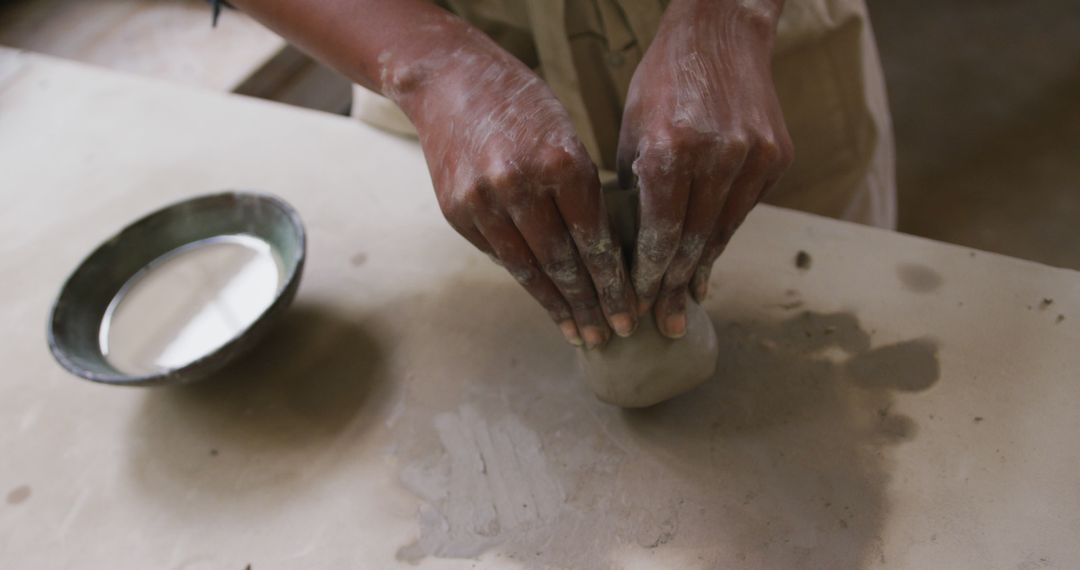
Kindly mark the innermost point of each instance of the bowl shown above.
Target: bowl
(181, 292)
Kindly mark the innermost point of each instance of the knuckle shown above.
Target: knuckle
(502, 175)
(678, 275)
(656, 160)
(584, 304)
(647, 276)
(656, 244)
(646, 291)
(673, 287)
(559, 164)
(566, 273)
(523, 273)
(773, 154)
(680, 138)
(691, 246)
(653, 255)
(563, 270)
(584, 172)
(601, 252)
(613, 297)
(732, 147)
(679, 278)
(458, 206)
(673, 297)
(609, 275)
(553, 303)
(558, 311)
(550, 161)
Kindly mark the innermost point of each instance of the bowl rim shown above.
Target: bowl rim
(214, 360)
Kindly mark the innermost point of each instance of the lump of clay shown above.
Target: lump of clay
(648, 368)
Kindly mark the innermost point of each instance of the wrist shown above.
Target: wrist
(451, 78)
(759, 18)
(422, 81)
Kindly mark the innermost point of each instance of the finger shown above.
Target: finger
(514, 254)
(579, 209)
(762, 169)
(670, 312)
(743, 196)
(664, 193)
(707, 197)
(473, 236)
(543, 230)
(699, 283)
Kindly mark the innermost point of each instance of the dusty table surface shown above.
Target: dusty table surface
(900, 403)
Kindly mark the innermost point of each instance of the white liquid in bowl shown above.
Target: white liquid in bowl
(190, 302)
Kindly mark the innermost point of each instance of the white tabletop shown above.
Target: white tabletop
(171, 40)
(900, 404)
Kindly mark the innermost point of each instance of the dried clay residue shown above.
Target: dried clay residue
(755, 469)
(18, 495)
(919, 278)
(803, 260)
(491, 480)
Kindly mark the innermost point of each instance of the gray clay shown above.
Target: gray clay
(648, 368)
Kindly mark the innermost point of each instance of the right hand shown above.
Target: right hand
(513, 179)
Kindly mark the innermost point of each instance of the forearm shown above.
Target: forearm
(384, 45)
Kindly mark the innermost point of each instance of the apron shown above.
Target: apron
(825, 68)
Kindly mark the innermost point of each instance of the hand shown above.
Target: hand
(514, 180)
(704, 135)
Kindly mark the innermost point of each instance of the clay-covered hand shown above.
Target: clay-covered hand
(512, 177)
(704, 135)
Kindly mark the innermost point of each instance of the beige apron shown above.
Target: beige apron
(826, 70)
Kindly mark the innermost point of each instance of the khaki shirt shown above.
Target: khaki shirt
(826, 69)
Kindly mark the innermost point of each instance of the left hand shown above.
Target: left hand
(704, 135)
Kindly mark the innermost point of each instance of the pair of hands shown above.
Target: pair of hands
(702, 134)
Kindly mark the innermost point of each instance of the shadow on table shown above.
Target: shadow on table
(791, 440)
(781, 461)
(272, 419)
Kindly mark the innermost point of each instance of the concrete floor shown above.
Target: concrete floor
(986, 105)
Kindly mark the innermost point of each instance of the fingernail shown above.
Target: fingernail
(642, 307)
(594, 337)
(675, 325)
(570, 332)
(623, 324)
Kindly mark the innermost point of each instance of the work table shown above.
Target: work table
(899, 403)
